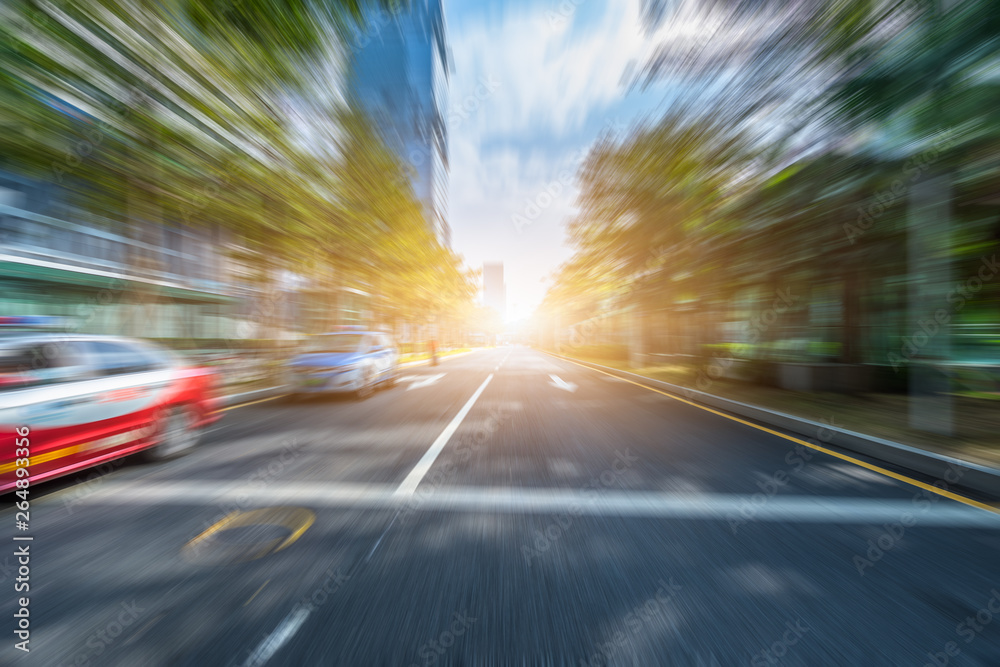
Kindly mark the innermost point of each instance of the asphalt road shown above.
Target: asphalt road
(503, 508)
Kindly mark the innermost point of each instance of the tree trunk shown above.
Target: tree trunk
(927, 341)
(852, 337)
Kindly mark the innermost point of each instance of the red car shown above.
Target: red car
(69, 402)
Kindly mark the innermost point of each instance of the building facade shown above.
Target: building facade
(161, 281)
(398, 73)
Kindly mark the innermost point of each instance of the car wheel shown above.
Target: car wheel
(178, 434)
(393, 379)
(364, 389)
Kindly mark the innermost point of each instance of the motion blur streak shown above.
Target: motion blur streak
(441, 332)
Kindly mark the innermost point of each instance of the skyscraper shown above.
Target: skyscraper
(494, 289)
(398, 74)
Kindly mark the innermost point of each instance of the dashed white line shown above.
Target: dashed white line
(278, 638)
(409, 484)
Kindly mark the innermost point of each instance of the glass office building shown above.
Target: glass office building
(398, 74)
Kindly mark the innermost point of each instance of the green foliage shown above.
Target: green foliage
(786, 160)
(220, 115)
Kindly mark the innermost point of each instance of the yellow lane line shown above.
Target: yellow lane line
(258, 591)
(243, 405)
(874, 468)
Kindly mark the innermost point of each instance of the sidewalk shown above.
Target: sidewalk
(417, 358)
(886, 416)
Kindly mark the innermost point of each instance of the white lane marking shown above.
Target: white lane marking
(562, 384)
(408, 378)
(278, 638)
(793, 509)
(409, 484)
(426, 382)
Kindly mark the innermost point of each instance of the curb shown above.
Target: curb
(982, 479)
(247, 396)
(441, 358)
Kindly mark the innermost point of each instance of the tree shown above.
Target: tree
(188, 113)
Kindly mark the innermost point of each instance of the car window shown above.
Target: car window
(158, 358)
(115, 358)
(385, 341)
(31, 364)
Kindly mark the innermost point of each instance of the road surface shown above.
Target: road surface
(503, 508)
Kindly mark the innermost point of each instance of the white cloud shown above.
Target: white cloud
(551, 78)
(554, 79)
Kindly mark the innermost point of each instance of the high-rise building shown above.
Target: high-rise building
(398, 74)
(494, 289)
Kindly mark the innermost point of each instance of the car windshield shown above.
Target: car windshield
(335, 343)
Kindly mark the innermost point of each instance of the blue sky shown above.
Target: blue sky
(555, 69)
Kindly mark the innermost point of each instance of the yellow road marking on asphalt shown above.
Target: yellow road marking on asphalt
(243, 405)
(258, 591)
(874, 468)
(296, 519)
